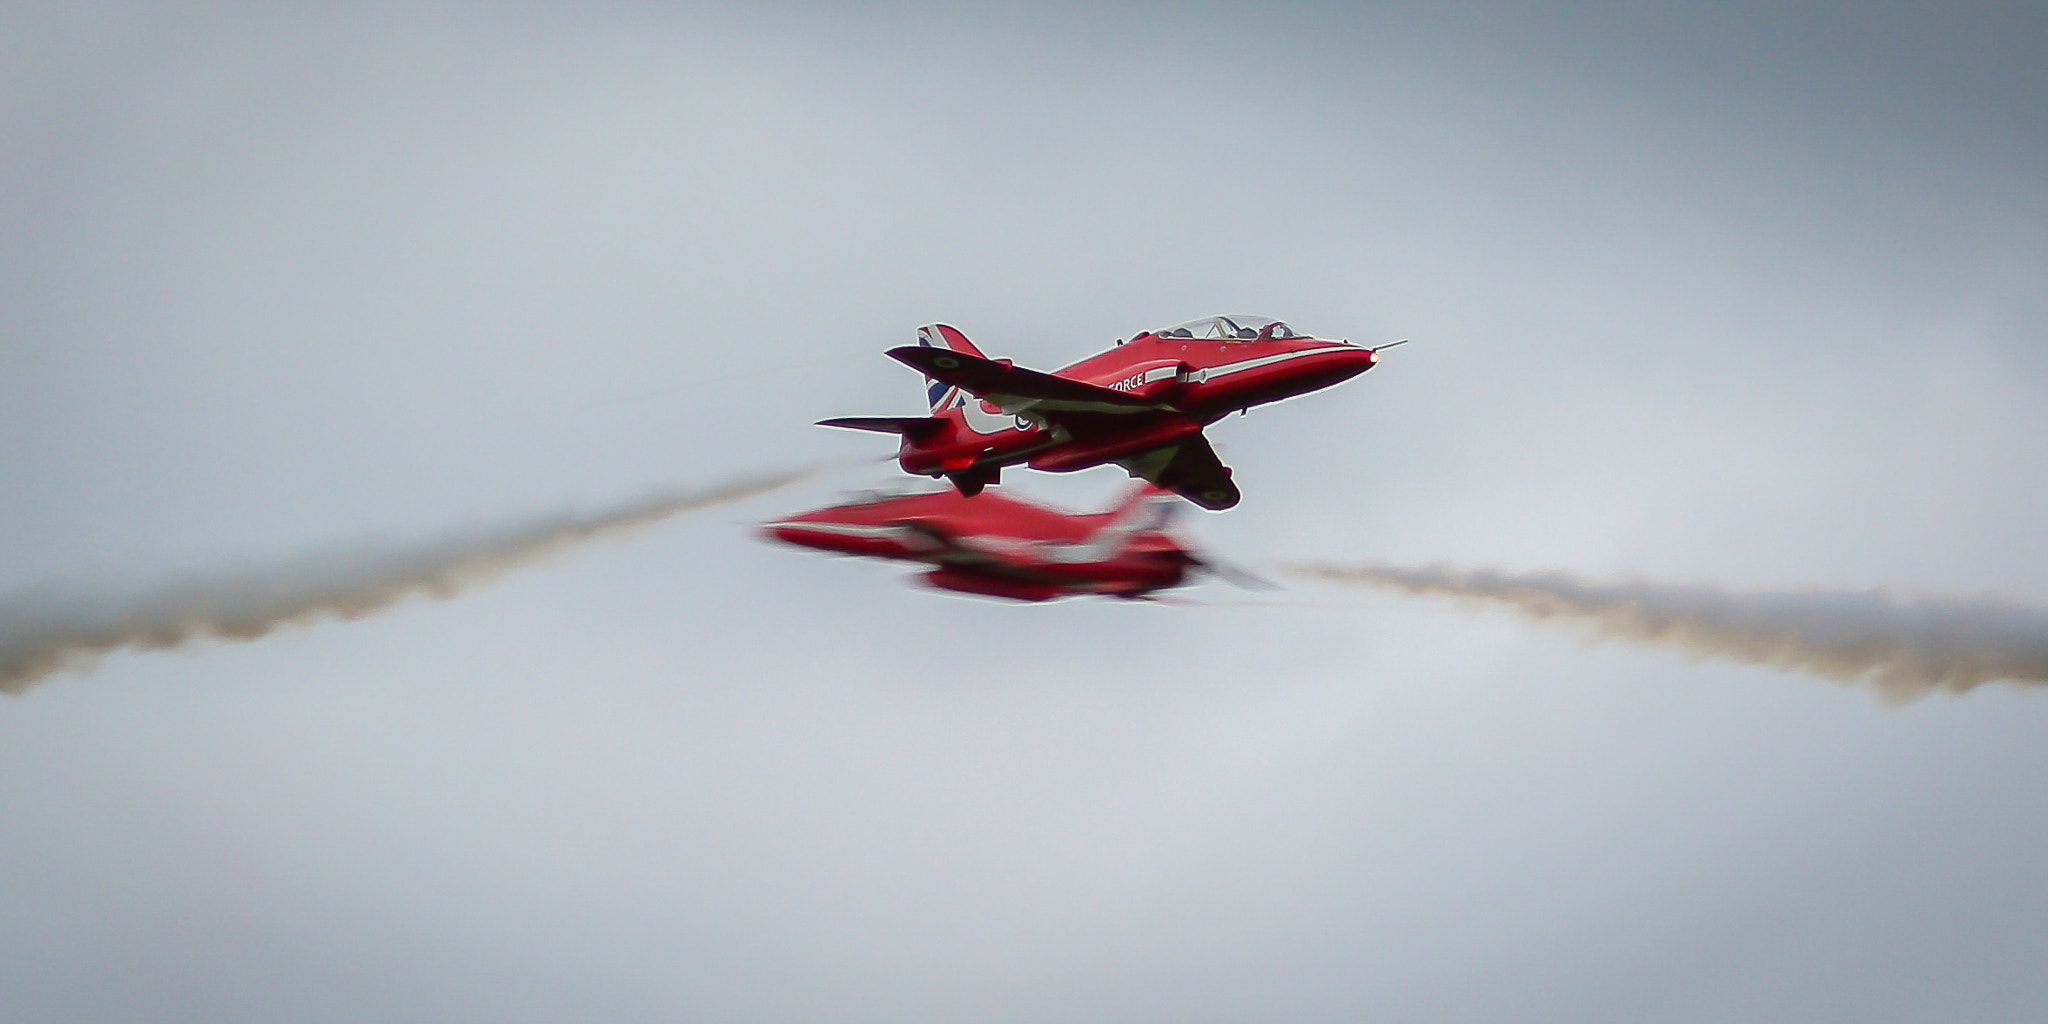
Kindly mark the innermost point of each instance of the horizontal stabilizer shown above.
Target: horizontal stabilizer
(912, 427)
(1012, 388)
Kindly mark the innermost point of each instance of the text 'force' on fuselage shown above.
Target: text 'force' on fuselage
(1141, 405)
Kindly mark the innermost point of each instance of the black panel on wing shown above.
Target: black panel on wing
(1191, 470)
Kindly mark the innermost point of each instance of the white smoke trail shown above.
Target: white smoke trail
(44, 631)
(1905, 646)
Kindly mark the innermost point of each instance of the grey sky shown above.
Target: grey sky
(1753, 297)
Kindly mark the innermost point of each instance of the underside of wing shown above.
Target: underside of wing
(1014, 389)
(1190, 469)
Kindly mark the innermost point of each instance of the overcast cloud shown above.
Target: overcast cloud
(1735, 294)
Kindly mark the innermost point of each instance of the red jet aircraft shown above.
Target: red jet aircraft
(1141, 405)
(997, 546)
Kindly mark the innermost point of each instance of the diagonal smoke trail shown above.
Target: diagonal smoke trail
(44, 631)
(1906, 646)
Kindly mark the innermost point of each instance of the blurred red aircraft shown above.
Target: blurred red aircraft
(1141, 405)
(997, 546)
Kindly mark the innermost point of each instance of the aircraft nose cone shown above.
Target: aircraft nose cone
(787, 532)
(1343, 361)
(795, 531)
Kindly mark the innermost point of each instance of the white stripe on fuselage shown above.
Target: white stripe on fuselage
(845, 529)
(1225, 370)
(1100, 548)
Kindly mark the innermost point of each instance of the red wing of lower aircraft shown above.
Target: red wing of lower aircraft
(1141, 405)
(997, 546)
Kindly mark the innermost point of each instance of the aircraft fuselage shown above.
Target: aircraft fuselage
(1198, 381)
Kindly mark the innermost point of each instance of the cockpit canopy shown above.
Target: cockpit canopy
(1233, 327)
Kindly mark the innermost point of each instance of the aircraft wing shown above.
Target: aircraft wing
(951, 547)
(1014, 389)
(1189, 469)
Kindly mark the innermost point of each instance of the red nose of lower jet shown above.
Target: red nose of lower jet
(793, 533)
(811, 530)
(839, 534)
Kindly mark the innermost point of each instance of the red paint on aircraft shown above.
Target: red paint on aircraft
(1141, 405)
(997, 546)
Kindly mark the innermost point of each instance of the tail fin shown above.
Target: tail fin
(949, 338)
(1146, 508)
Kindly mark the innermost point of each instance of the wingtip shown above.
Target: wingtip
(930, 360)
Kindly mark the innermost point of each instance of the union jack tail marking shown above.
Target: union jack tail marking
(944, 396)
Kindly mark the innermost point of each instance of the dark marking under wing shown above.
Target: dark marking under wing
(1189, 469)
